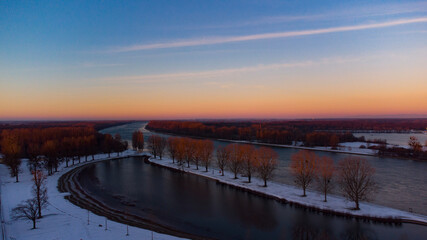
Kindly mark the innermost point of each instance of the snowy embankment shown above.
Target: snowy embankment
(347, 147)
(292, 194)
(61, 219)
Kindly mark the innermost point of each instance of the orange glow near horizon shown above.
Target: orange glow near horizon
(134, 62)
(339, 89)
(268, 104)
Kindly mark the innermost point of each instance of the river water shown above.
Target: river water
(401, 182)
(200, 206)
(400, 139)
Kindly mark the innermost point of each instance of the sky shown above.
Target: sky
(69, 60)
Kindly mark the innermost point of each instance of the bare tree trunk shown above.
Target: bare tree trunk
(326, 189)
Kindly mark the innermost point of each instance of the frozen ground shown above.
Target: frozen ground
(62, 220)
(293, 194)
(347, 147)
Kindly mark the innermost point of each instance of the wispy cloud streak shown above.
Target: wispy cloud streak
(362, 12)
(221, 40)
(210, 74)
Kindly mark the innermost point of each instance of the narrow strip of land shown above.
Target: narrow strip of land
(336, 205)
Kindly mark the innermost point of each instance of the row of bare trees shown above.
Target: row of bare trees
(239, 159)
(354, 175)
(248, 161)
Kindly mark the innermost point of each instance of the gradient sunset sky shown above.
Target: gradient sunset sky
(212, 59)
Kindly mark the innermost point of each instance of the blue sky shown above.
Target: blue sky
(75, 51)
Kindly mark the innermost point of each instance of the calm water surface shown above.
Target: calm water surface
(402, 183)
(394, 138)
(202, 207)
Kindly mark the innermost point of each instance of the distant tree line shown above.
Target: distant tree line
(97, 125)
(48, 147)
(254, 132)
(275, 133)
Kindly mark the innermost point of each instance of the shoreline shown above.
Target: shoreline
(120, 218)
(264, 144)
(286, 146)
(71, 217)
(68, 183)
(410, 218)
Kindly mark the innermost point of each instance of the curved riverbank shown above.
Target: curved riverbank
(69, 182)
(395, 217)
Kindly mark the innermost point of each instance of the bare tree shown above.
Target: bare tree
(27, 210)
(138, 140)
(324, 173)
(180, 152)
(207, 149)
(265, 163)
(415, 144)
(189, 150)
(235, 161)
(303, 166)
(356, 179)
(198, 152)
(248, 161)
(172, 147)
(152, 145)
(40, 190)
(161, 145)
(222, 158)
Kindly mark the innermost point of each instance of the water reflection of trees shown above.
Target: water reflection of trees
(305, 231)
(252, 211)
(358, 233)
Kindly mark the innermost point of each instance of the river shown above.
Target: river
(201, 207)
(401, 182)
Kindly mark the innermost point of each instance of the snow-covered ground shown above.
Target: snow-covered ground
(293, 194)
(62, 219)
(346, 147)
